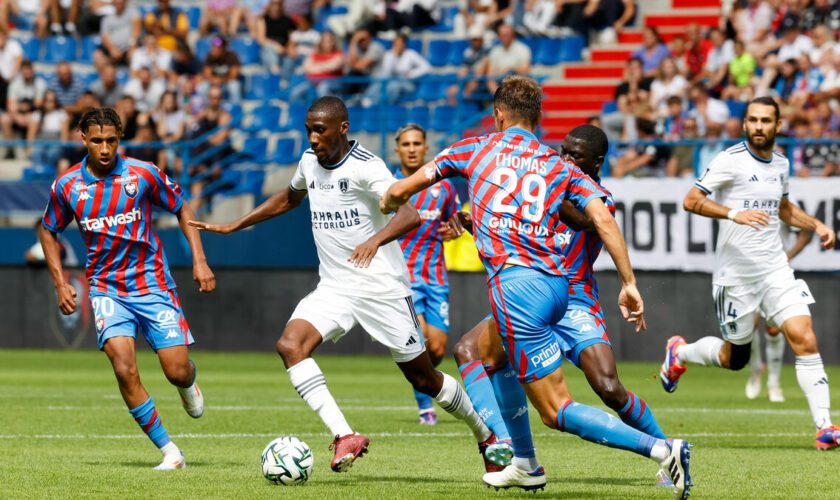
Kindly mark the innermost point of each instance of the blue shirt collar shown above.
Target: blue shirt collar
(89, 178)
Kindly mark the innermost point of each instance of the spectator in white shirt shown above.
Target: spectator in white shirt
(667, 83)
(824, 47)
(11, 56)
(708, 111)
(152, 57)
(145, 90)
(539, 16)
(25, 14)
(402, 66)
(119, 32)
(717, 60)
(792, 44)
(26, 93)
(510, 57)
(753, 22)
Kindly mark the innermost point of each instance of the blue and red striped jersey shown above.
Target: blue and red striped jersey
(125, 256)
(516, 187)
(423, 246)
(582, 251)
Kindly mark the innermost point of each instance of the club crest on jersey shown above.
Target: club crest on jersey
(344, 184)
(130, 189)
(435, 191)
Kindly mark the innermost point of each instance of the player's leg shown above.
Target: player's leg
(425, 406)
(434, 323)
(774, 350)
(162, 321)
(120, 351)
(753, 388)
(320, 316)
(116, 327)
(735, 307)
(391, 322)
(527, 305)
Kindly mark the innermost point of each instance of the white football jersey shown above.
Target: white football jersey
(344, 203)
(744, 181)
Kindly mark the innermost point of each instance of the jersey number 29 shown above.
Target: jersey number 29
(532, 189)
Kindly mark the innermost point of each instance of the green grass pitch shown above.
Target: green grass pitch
(64, 432)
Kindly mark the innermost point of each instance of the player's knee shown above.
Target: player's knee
(803, 343)
(179, 374)
(126, 371)
(289, 349)
(465, 351)
(611, 392)
(427, 383)
(739, 357)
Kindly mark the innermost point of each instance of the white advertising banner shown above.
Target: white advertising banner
(661, 235)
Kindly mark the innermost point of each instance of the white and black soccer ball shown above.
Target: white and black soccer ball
(287, 460)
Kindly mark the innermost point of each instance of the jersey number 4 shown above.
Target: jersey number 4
(532, 190)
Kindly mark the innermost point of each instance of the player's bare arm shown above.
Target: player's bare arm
(802, 240)
(698, 202)
(401, 191)
(202, 274)
(52, 253)
(404, 221)
(791, 214)
(629, 299)
(278, 204)
(573, 217)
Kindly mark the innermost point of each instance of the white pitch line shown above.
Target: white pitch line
(427, 435)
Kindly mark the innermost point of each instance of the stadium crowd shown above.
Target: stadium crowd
(170, 82)
(696, 85)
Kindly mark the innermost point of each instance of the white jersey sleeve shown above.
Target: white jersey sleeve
(377, 178)
(298, 182)
(720, 174)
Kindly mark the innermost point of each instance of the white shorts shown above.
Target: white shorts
(778, 297)
(389, 321)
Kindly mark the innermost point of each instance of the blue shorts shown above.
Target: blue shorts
(432, 302)
(158, 315)
(527, 304)
(579, 329)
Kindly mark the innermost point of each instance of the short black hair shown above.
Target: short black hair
(766, 101)
(595, 138)
(407, 128)
(331, 105)
(647, 127)
(102, 117)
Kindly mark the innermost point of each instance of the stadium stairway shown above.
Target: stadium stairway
(584, 89)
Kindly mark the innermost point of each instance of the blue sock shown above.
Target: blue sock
(147, 418)
(424, 401)
(637, 415)
(481, 394)
(600, 427)
(514, 406)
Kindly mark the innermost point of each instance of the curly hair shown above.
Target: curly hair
(102, 117)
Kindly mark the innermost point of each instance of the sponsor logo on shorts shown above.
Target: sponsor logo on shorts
(547, 356)
(167, 318)
(411, 341)
(172, 334)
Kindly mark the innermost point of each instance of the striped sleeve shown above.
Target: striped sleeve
(582, 189)
(58, 213)
(450, 203)
(455, 159)
(165, 192)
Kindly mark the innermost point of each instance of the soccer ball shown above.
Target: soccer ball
(287, 460)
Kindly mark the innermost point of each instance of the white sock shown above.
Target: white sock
(705, 351)
(811, 376)
(775, 350)
(169, 449)
(309, 382)
(660, 451)
(529, 464)
(455, 401)
(755, 353)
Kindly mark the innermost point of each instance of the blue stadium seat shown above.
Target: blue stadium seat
(355, 113)
(202, 48)
(246, 49)
(88, 47)
(549, 51)
(264, 118)
(370, 119)
(254, 149)
(58, 49)
(31, 48)
(235, 111)
(443, 118)
(416, 44)
(737, 109)
(262, 86)
(572, 48)
(194, 15)
(295, 117)
(456, 51)
(88, 78)
(394, 115)
(430, 90)
(38, 173)
(122, 76)
(609, 107)
(447, 20)
(420, 115)
(532, 42)
(285, 151)
(439, 52)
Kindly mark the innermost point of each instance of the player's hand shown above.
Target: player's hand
(66, 298)
(364, 253)
(203, 275)
(384, 206)
(213, 228)
(451, 229)
(827, 237)
(632, 307)
(465, 220)
(752, 218)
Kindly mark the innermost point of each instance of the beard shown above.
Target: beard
(767, 141)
